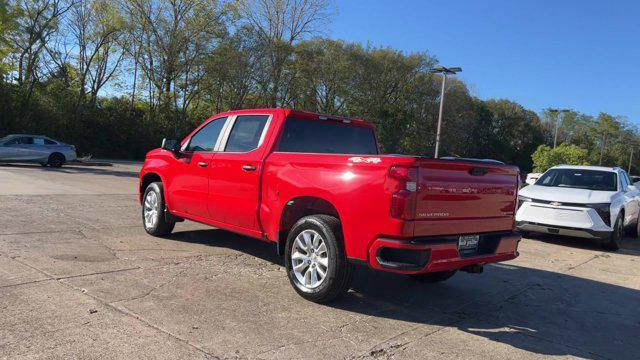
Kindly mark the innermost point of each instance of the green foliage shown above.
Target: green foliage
(7, 24)
(545, 157)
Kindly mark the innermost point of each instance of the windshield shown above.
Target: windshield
(580, 179)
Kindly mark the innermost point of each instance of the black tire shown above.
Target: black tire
(339, 274)
(56, 160)
(160, 226)
(434, 277)
(613, 243)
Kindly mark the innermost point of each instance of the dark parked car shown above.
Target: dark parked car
(37, 149)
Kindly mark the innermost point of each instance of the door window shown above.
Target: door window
(205, 139)
(38, 141)
(246, 133)
(23, 140)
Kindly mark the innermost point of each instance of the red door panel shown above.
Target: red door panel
(189, 188)
(234, 182)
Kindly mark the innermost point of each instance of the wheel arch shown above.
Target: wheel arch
(299, 207)
(147, 179)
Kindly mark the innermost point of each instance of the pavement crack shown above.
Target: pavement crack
(586, 261)
(25, 283)
(147, 293)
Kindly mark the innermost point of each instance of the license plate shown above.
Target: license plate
(468, 242)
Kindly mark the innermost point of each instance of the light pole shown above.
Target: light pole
(444, 71)
(557, 112)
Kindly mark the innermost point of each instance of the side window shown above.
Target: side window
(624, 179)
(13, 141)
(38, 141)
(50, 142)
(246, 133)
(23, 140)
(205, 139)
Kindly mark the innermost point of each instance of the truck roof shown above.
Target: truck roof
(301, 114)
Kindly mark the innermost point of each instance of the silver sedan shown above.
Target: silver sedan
(37, 149)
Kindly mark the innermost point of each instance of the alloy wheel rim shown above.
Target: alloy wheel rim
(150, 209)
(309, 259)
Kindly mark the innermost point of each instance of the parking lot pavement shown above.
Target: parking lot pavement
(79, 278)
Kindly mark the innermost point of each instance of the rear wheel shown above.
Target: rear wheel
(315, 259)
(153, 205)
(56, 160)
(434, 277)
(616, 235)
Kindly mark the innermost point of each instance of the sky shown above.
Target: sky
(582, 55)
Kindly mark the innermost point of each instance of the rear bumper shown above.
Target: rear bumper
(563, 230)
(440, 253)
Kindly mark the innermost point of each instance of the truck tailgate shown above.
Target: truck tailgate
(464, 197)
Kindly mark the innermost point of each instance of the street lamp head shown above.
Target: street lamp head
(551, 110)
(444, 70)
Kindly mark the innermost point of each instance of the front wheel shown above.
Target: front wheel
(56, 160)
(434, 277)
(616, 235)
(153, 204)
(315, 259)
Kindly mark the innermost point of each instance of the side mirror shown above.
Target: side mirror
(530, 181)
(171, 145)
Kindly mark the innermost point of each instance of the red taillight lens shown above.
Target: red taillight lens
(400, 205)
(403, 199)
(400, 173)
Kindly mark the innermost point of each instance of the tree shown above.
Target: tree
(37, 22)
(515, 132)
(7, 25)
(96, 26)
(279, 24)
(174, 38)
(545, 157)
(229, 73)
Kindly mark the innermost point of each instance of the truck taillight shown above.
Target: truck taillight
(403, 199)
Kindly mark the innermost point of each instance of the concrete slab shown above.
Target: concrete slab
(50, 320)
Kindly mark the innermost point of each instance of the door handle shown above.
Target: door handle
(248, 168)
(202, 164)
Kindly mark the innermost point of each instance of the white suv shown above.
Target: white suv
(583, 201)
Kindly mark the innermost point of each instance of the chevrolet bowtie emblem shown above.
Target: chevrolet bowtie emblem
(555, 203)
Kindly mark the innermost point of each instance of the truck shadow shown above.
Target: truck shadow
(540, 311)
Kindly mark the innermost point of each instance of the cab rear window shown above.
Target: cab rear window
(327, 137)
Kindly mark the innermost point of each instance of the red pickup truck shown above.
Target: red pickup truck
(317, 187)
